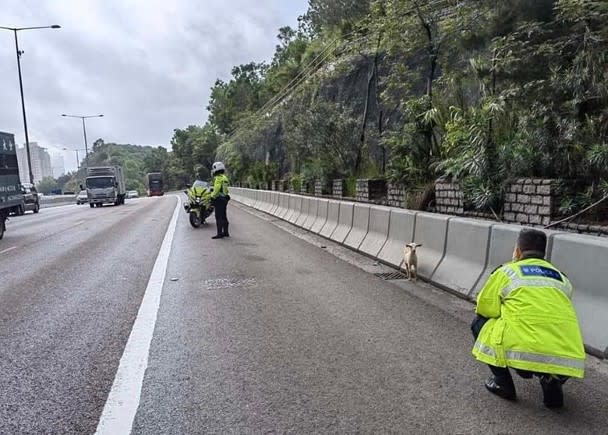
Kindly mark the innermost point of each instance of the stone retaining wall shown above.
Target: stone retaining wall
(530, 201)
(449, 198)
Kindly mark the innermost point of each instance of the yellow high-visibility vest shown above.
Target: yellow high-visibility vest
(533, 325)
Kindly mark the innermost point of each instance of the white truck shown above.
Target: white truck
(105, 185)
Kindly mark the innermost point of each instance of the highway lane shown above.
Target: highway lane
(272, 330)
(267, 332)
(70, 288)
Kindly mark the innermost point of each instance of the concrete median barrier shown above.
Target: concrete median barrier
(360, 226)
(466, 255)
(400, 232)
(377, 233)
(283, 206)
(295, 205)
(431, 230)
(345, 222)
(584, 260)
(312, 214)
(274, 204)
(319, 223)
(55, 201)
(305, 212)
(333, 214)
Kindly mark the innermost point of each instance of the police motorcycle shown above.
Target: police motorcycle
(199, 206)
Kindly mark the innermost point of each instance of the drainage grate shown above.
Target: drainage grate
(226, 283)
(390, 276)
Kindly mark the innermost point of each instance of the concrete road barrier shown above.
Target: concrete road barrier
(54, 201)
(378, 231)
(360, 226)
(305, 212)
(466, 255)
(345, 222)
(283, 206)
(319, 223)
(312, 214)
(400, 232)
(333, 213)
(297, 209)
(584, 259)
(274, 202)
(431, 230)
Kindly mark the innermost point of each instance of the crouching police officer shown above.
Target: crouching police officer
(220, 198)
(526, 321)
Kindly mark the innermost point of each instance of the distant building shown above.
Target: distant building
(41, 163)
(58, 165)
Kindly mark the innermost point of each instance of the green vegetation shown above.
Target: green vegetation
(475, 91)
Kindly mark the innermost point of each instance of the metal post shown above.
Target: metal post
(77, 161)
(27, 139)
(86, 146)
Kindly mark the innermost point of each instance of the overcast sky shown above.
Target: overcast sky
(147, 65)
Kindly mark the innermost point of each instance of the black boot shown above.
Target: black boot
(553, 395)
(220, 234)
(502, 388)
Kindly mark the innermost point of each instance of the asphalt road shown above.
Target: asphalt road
(270, 331)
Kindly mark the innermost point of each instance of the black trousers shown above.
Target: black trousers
(221, 217)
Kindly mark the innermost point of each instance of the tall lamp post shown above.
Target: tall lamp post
(19, 53)
(77, 157)
(84, 131)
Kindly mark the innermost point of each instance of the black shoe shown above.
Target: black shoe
(506, 392)
(553, 395)
(226, 235)
(219, 236)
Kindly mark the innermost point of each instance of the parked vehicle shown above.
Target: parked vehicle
(31, 198)
(11, 195)
(154, 184)
(82, 197)
(199, 206)
(105, 185)
(132, 194)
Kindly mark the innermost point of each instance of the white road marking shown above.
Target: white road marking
(123, 401)
(8, 250)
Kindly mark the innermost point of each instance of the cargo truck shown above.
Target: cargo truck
(11, 195)
(105, 185)
(154, 184)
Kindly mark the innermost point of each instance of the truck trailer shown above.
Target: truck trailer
(11, 195)
(105, 185)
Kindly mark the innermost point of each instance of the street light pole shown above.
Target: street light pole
(86, 146)
(27, 139)
(19, 53)
(84, 131)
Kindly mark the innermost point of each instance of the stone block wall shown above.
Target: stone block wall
(339, 188)
(318, 188)
(530, 201)
(396, 195)
(373, 191)
(449, 198)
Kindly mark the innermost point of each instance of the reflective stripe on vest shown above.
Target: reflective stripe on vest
(518, 282)
(545, 359)
(485, 349)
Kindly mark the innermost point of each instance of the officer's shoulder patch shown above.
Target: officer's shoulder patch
(537, 270)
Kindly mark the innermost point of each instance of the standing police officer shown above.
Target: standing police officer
(526, 321)
(220, 198)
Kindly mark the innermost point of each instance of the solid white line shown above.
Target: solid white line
(8, 250)
(122, 403)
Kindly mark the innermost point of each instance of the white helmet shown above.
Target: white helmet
(217, 166)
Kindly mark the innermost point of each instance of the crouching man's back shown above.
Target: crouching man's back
(526, 321)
